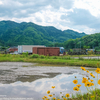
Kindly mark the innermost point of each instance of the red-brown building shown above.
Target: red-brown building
(51, 51)
(13, 49)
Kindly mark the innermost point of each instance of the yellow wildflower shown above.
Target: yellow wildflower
(78, 85)
(76, 89)
(64, 99)
(88, 84)
(67, 95)
(99, 81)
(50, 95)
(87, 71)
(75, 81)
(83, 68)
(53, 87)
(91, 80)
(45, 97)
(91, 74)
(54, 98)
(97, 70)
(48, 92)
(92, 84)
(85, 79)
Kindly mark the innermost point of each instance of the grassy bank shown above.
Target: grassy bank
(55, 60)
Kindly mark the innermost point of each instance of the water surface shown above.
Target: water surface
(29, 81)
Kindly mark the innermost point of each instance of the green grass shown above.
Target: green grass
(55, 60)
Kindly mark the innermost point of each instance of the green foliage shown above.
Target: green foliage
(71, 50)
(13, 34)
(34, 56)
(89, 41)
(42, 56)
(54, 57)
(86, 47)
(25, 54)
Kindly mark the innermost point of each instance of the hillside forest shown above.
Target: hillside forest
(14, 34)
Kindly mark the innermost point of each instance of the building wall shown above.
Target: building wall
(41, 51)
(27, 48)
(34, 51)
(51, 51)
(13, 49)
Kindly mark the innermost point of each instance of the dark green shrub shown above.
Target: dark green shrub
(34, 56)
(54, 57)
(42, 56)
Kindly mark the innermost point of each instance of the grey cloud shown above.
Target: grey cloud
(10, 7)
(62, 3)
(82, 17)
(67, 3)
(55, 3)
(38, 19)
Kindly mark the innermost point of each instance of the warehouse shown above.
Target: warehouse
(27, 48)
(51, 51)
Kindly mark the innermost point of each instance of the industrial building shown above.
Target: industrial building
(27, 48)
(50, 51)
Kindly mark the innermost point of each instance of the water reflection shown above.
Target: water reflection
(33, 82)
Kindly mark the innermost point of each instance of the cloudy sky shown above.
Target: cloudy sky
(78, 15)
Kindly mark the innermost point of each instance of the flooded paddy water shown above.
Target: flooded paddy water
(29, 81)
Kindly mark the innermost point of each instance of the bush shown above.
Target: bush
(25, 54)
(54, 57)
(34, 56)
(42, 56)
(47, 56)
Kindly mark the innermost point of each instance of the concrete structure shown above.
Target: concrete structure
(27, 48)
(51, 51)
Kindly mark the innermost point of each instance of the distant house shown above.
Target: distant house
(12, 49)
(90, 50)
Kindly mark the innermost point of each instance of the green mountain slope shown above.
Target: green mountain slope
(12, 34)
(92, 40)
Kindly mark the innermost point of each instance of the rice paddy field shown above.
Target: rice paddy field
(50, 77)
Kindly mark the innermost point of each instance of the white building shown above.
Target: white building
(27, 48)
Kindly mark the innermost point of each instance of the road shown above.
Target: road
(93, 57)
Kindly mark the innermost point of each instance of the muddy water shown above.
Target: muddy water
(27, 81)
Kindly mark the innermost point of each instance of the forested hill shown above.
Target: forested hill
(12, 34)
(91, 41)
